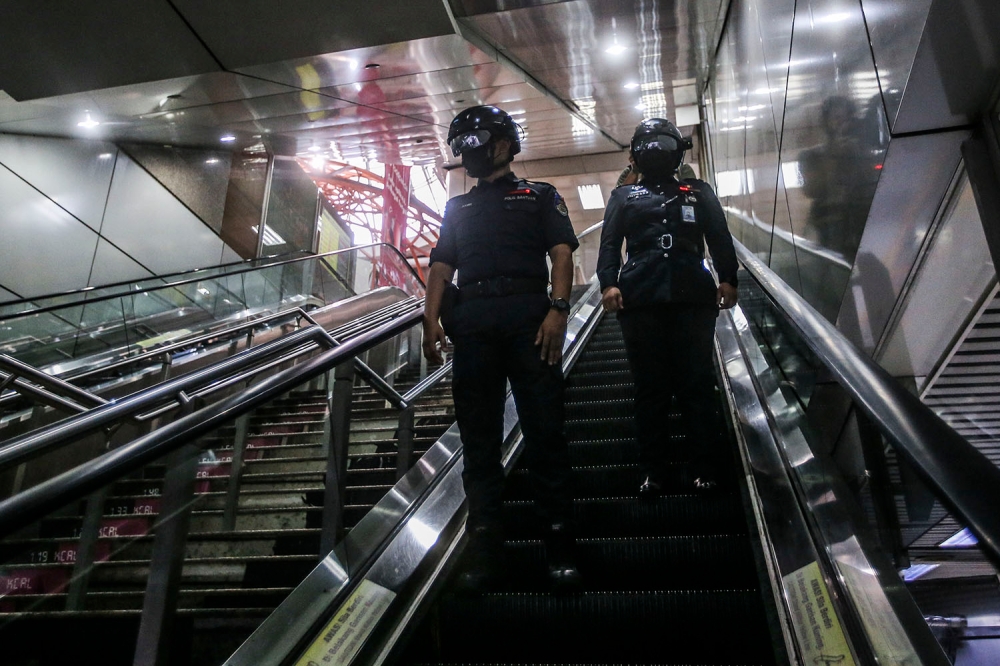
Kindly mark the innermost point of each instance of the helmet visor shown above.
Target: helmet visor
(663, 142)
(469, 141)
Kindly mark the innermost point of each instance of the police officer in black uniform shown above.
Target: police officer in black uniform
(666, 298)
(505, 326)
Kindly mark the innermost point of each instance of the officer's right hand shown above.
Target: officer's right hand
(611, 299)
(434, 340)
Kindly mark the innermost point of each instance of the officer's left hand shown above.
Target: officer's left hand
(726, 296)
(551, 336)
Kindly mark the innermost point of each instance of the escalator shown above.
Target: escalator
(672, 580)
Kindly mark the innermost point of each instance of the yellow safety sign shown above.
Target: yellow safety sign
(351, 625)
(817, 627)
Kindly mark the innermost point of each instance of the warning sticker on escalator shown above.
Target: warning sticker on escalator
(817, 628)
(344, 635)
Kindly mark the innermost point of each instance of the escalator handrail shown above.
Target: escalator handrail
(964, 478)
(32, 444)
(38, 501)
(180, 283)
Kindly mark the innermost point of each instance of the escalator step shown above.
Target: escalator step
(685, 626)
(585, 453)
(599, 428)
(707, 562)
(609, 378)
(628, 516)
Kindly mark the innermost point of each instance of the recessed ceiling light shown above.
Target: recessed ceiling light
(105, 156)
(631, 85)
(229, 138)
(615, 49)
(88, 122)
(591, 196)
(212, 160)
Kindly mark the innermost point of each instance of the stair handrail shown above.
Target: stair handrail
(66, 431)
(38, 501)
(45, 388)
(964, 478)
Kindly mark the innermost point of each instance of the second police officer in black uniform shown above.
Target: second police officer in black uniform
(666, 298)
(505, 326)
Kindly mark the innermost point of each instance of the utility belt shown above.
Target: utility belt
(667, 242)
(502, 286)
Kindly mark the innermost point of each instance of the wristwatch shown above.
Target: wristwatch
(559, 305)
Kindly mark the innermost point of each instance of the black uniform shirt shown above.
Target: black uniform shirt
(503, 229)
(685, 215)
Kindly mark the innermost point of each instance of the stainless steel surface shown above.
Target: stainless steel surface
(37, 232)
(21, 448)
(940, 92)
(895, 28)
(784, 474)
(917, 344)
(74, 174)
(413, 517)
(171, 238)
(38, 501)
(961, 476)
(13, 366)
(916, 177)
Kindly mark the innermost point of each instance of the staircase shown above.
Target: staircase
(670, 581)
(231, 579)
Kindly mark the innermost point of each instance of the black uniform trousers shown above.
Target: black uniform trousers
(494, 340)
(669, 348)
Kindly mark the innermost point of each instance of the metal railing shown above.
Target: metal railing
(965, 479)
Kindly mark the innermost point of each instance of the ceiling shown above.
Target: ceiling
(353, 80)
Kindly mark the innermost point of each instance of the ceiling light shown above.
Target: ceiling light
(88, 123)
(105, 156)
(615, 49)
(631, 85)
(640, 106)
(317, 162)
(314, 149)
(229, 138)
(591, 196)
(271, 237)
(212, 160)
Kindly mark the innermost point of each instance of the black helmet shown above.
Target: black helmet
(658, 145)
(477, 125)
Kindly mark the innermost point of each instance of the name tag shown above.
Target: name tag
(687, 213)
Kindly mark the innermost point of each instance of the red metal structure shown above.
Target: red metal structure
(357, 196)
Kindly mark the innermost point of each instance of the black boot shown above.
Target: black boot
(481, 563)
(560, 553)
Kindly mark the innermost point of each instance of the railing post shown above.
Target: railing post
(235, 473)
(167, 561)
(86, 549)
(335, 493)
(404, 442)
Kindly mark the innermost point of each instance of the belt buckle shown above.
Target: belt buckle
(666, 241)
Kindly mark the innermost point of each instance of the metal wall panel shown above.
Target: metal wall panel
(7, 295)
(45, 249)
(198, 178)
(917, 173)
(74, 174)
(112, 265)
(832, 129)
(955, 70)
(950, 284)
(152, 226)
(895, 28)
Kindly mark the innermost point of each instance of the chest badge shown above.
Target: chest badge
(523, 194)
(690, 198)
(687, 213)
(637, 192)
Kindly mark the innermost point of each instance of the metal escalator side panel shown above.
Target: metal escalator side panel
(393, 540)
(794, 499)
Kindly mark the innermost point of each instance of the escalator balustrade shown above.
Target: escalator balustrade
(672, 580)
